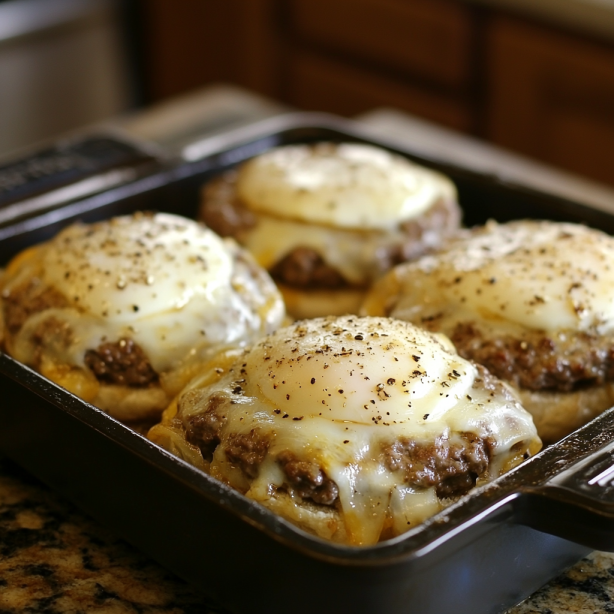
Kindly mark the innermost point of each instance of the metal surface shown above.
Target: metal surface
(481, 555)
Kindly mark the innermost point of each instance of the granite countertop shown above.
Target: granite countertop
(56, 560)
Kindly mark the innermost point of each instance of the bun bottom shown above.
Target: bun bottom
(124, 403)
(131, 404)
(312, 303)
(328, 522)
(319, 520)
(556, 414)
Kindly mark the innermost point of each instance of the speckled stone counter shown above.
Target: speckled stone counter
(587, 588)
(55, 560)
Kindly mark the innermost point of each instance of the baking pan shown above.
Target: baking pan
(482, 555)
(71, 169)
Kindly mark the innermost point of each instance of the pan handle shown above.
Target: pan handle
(577, 503)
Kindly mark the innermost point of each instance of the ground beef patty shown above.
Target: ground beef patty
(536, 361)
(222, 211)
(307, 479)
(303, 267)
(247, 451)
(452, 466)
(122, 362)
(204, 429)
(26, 300)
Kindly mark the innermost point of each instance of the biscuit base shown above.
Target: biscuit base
(314, 303)
(556, 414)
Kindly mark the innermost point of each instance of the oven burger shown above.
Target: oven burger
(532, 301)
(121, 312)
(354, 429)
(327, 219)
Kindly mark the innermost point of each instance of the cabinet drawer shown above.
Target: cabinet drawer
(429, 38)
(321, 84)
(551, 96)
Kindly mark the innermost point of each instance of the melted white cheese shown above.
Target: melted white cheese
(347, 186)
(352, 253)
(161, 280)
(335, 390)
(538, 275)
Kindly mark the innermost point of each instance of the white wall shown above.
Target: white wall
(61, 67)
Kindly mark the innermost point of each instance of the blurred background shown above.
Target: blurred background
(534, 76)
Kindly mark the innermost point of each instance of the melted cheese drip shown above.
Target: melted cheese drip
(333, 391)
(346, 186)
(162, 280)
(352, 253)
(538, 275)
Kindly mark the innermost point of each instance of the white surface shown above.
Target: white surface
(182, 121)
(21, 17)
(58, 70)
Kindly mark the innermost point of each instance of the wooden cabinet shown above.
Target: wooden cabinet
(319, 83)
(188, 43)
(349, 56)
(427, 39)
(527, 86)
(551, 95)
(342, 56)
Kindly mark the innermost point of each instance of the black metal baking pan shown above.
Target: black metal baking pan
(482, 555)
(69, 170)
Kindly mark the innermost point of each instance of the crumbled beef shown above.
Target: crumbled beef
(203, 429)
(52, 332)
(122, 362)
(422, 234)
(308, 480)
(452, 467)
(247, 451)
(20, 303)
(537, 361)
(222, 211)
(303, 267)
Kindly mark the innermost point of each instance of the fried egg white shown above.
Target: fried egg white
(535, 275)
(350, 185)
(170, 285)
(335, 392)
